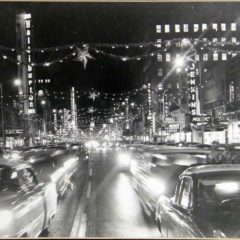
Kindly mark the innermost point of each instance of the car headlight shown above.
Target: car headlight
(5, 218)
(156, 186)
(15, 156)
(218, 234)
(124, 159)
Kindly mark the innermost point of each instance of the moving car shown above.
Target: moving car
(26, 205)
(206, 203)
(156, 172)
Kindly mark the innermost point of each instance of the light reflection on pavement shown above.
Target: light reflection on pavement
(117, 210)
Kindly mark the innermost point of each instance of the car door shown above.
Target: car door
(34, 201)
(180, 222)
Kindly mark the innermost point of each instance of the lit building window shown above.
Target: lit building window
(231, 92)
(233, 27)
(234, 39)
(224, 56)
(185, 27)
(30, 75)
(159, 57)
(158, 28)
(223, 27)
(197, 57)
(167, 28)
(215, 26)
(177, 28)
(168, 57)
(29, 58)
(215, 57)
(29, 68)
(195, 27)
(223, 39)
(205, 57)
(28, 25)
(28, 40)
(204, 27)
(160, 72)
(214, 39)
(159, 43)
(28, 32)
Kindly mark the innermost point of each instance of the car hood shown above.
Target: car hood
(223, 216)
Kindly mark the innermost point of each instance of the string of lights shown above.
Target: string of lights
(167, 45)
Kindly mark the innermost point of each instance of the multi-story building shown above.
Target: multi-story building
(211, 86)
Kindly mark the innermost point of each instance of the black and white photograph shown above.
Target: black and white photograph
(120, 119)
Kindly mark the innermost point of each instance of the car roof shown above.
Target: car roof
(211, 169)
(14, 164)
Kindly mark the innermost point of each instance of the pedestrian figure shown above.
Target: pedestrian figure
(213, 157)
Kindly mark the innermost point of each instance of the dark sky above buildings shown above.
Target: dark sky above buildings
(57, 24)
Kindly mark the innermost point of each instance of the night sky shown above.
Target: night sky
(57, 24)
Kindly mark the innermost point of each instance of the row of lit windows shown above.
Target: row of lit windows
(214, 40)
(177, 28)
(44, 80)
(205, 57)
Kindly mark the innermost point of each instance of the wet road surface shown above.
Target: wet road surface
(102, 203)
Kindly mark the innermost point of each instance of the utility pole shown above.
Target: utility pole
(2, 115)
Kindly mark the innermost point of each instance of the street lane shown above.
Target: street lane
(114, 209)
(61, 224)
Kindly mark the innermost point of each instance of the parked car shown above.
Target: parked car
(156, 172)
(26, 205)
(206, 203)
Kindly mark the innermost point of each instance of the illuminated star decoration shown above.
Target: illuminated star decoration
(93, 95)
(91, 110)
(82, 55)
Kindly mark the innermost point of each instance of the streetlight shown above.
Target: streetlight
(43, 102)
(17, 82)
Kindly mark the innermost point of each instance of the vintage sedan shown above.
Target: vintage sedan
(206, 203)
(26, 205)
(156, 172)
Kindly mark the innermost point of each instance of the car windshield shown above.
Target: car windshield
(8, 179)
(218, 187)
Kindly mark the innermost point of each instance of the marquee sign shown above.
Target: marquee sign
(192, 81)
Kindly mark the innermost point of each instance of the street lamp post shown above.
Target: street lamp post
(43, 103)
(2, 115)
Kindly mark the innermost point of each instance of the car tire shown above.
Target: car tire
(45, 232)
(159, 225)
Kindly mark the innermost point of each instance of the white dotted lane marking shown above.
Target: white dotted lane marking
(90, 172)
(89, 190)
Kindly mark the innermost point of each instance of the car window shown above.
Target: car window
(185, 199)
(27, 178)
(8, 179)
(176, 196)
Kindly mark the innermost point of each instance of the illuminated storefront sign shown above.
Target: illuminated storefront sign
(201, 119)
(166, 106)
(31, 107)
(192, 80)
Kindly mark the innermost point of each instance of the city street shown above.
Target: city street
(102, 203)
(120, 120)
